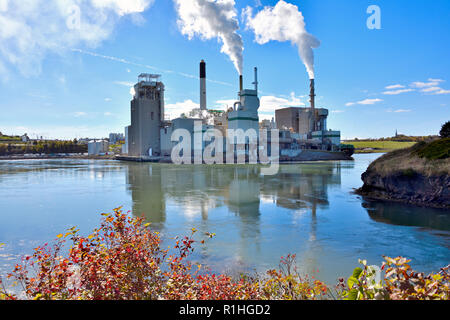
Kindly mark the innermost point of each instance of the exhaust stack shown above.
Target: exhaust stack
(256, 80)
(202, 85)
(313, 104)
(241, 83)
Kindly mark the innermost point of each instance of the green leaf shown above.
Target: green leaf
(351, 282)
(352, 295)
(357, 272)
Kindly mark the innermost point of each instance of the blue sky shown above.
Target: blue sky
(61, 84)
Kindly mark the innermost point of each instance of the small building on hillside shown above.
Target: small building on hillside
(25, 138)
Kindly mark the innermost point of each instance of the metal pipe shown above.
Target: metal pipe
(241, 83)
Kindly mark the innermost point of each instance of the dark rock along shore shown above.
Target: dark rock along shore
(419, 175)
(413, 188)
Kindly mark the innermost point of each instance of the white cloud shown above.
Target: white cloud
(430, 89)
(337, 111)
(123, 7)
(436, 80)
(225, 104)
(271, 103)
(431, 83)
(442, 91)
(395, 86)
(398, 110)
(174, 110)
(364, 102)
(31, 29)
(108, 99)
(395, 92)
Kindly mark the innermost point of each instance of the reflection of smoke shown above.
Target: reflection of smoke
(213, 19)
(284, 22)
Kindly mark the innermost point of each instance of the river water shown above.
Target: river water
(307, 209)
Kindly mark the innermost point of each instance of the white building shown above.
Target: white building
(98, 147)
(25, 138)
(125, 146)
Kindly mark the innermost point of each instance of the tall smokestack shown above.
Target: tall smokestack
(202, 85)
(241, 83)
(256, 80)
(312, 96)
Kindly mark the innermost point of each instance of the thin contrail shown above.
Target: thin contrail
(124, 61)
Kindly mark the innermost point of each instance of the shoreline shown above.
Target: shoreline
(48, 157)
(162, 161)
(379, 196)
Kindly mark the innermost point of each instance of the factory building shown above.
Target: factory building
(299, 120)
(150, 135)
(115, 138)
(147, 115)
(245, 111)
(307, 127)
(170, 127)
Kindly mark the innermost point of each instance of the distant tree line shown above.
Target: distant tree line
(46, 147)
(402, 138)
(9, 138)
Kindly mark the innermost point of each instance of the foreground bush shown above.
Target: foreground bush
(123, 260)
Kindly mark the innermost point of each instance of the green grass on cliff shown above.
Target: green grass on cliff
(429, 159)
(436, 150)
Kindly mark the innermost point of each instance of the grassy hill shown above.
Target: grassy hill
(432, 158)
(370, 146)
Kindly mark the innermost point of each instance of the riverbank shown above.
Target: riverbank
(56, 157)
(419, 175)
(298, 157)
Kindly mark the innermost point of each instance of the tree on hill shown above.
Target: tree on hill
(445, 131)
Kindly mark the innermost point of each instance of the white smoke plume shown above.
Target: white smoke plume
(283, 22)
(211, 19)
(31, 29)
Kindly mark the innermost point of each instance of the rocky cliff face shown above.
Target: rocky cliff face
(408, 186)
(419, 175)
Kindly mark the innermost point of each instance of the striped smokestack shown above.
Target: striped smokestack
(202, 85)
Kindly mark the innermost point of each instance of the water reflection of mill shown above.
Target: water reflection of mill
(241, 189)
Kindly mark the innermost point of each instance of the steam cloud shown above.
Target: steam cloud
(210, 19)
(284, 22)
